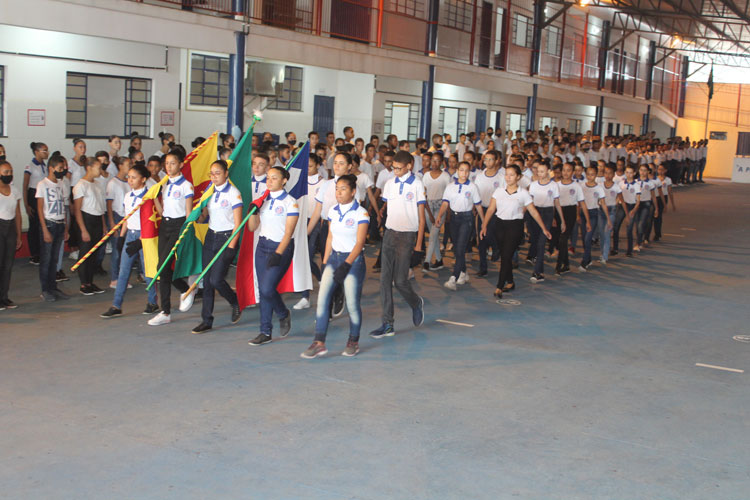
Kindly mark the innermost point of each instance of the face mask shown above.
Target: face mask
(171, 144)
(2, 157)
(232, 145)
(60, 174)
(6, 179)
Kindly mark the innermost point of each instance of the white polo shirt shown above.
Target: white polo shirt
(363, 183)
(173, 196)
(313, 185)
(665, 185)
(488, 184)
(544, 195)
(224, 200)
(9, 203)
(462, 196)
(570, 194)
(403, 195)
(77, 171)
(276, 208)
(55, 198)
(326, 195)
(511, 206)
(36, 172)
(344, 223)
(259, 185)
(647, 187)
(631, 191)
(93, 198)
(610, 193)
(592, 195)
(384, 177)
(133, 199)
(116, 190)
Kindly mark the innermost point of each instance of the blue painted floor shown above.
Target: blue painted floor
(588, 389)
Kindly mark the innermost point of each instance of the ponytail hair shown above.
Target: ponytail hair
(36, 146)
(142, 170)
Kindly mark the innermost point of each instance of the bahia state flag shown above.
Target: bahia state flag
(298, 277)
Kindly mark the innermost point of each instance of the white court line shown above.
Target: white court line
(688, 228)
(735, 370)
(678, 235)
(454, 323)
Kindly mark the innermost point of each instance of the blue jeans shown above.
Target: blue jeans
(312, 249)
(461, 226)
(645, 212)
(628, 228)
(606, 234)
(589, 236)
(48, 254)
(268, 280)
(114, 257)
(489, 241)
(537, 240)
(215, 278)
(126, 265)
(352, 291)
(433, 243)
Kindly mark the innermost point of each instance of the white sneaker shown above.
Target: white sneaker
(302, 304)
(463, 278)
(602, 261)
(73, 255)
(108, 249)
(582, 269)
(451, 283)
(160, 319)
(186, 300)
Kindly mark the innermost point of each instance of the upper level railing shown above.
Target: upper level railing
(495, 34)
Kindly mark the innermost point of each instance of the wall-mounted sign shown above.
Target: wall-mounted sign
(741, 170)
(36, 117)
(167, 119)
(718, 136)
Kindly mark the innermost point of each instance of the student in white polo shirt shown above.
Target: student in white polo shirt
(273, 254)
(594, 199)
(90, 207)
(435, 181)
(52, 210)
(10, 230)
(117, 188)
(34, 172)
(177, 202)
(404, 195)
(509, 203)
(344, 266)
(631, 195)
(572, 204)
(487, 181)
(546, 195)
(613, 205)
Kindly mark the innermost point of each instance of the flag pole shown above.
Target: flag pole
(236, 231)
(710, 95)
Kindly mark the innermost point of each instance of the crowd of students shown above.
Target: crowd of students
(487, 193)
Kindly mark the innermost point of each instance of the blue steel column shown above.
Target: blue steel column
(236, 101)
(536, 39)
(646, 120)
(650, 69)
(531, 109)
(599, 117)
(432, 28)
(425, 112)
(604, 54)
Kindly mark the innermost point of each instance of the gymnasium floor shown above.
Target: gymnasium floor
(586, 389)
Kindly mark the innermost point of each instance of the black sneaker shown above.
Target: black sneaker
(417, 314)
(564, 269)
(529, 260)
(236, 313)
(34, 261)
(202, 328)
(151, 309)
(60, 295)
(10, 304)
(261, 339)
(537, 278)
(425, 266)
(285, 325)
(96, 289)
(481, 274)
(558, 272)
(385, 330)
(613, 252)
(60, 276)
(86, 290)
(111, 313)
(437, 265)
(199, 294)
(629, 254)
(376, 269)
(338, 303)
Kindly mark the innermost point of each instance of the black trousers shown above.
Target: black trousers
(169, 231)
(569, 216)
(508, 234)
(35, 230)
(8, 238)
(93, 224)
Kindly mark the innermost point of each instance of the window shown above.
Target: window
(574, 126)
(209, 80)
(2, 100)
(547, 121)
(515, 121)
(413, 8)
(552, 46)
(100, 105)
(401, 119)
(291, 96)
(523, 30)
(499, 17)
(452, 120)
(627, 129)
(743, 144)
(458, 14)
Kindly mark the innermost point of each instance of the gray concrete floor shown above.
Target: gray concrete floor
(588, 389)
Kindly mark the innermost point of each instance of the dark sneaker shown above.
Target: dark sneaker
(60, 295)
(315, 350)
(629, 254)
(558, 272)
(425, 266)
(537, 278)
(564, 269)
(86, 290)
(613, 252)
(236, 313)
(260, 339)
(111, 313)
(48, 297)
(151, 309)
(34, 261)
(338, 303)
(199, 294)
(2, 307)
(376, 269)
(529, 260)
(481, 274)
(10, 304)
(60, 276)
(437, 265)
(515, 265)
(202, 328)
(96, 289)
(417, 314)
(385, 330)
(285, 325)
(352, 349)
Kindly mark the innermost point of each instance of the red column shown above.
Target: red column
(380, 24)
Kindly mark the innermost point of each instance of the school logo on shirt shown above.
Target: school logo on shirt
(176, 195)
(349, 222)
(224, 203)
(549, 193)
(611, 193)
(572, 191)
(279, 210)
(496, 184)
(467, 195)
(409, 196)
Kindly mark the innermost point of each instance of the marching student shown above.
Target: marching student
(10, 230)
(668, 195)
(314, 181)
(572, 203)
(435, 182)
(177, 202)
(32, 175)
(613, 204)
(487, 181)
(344, 267)
(461, 196)
(509, 203)
(89, 208)
(404, 231)
(273, 255)
(117, 188)
(647, 208)
(546, 196)
(224, 213)
(52, 210)
(132, 246)
(631, 195)
(594, 199)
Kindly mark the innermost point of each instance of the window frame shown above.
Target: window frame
(553, 33)
(509, 117)
(529, 30)
(412, 8)
(413, 126)
(287, 91)
(460, 119)
(202, 105)
(459, 14)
